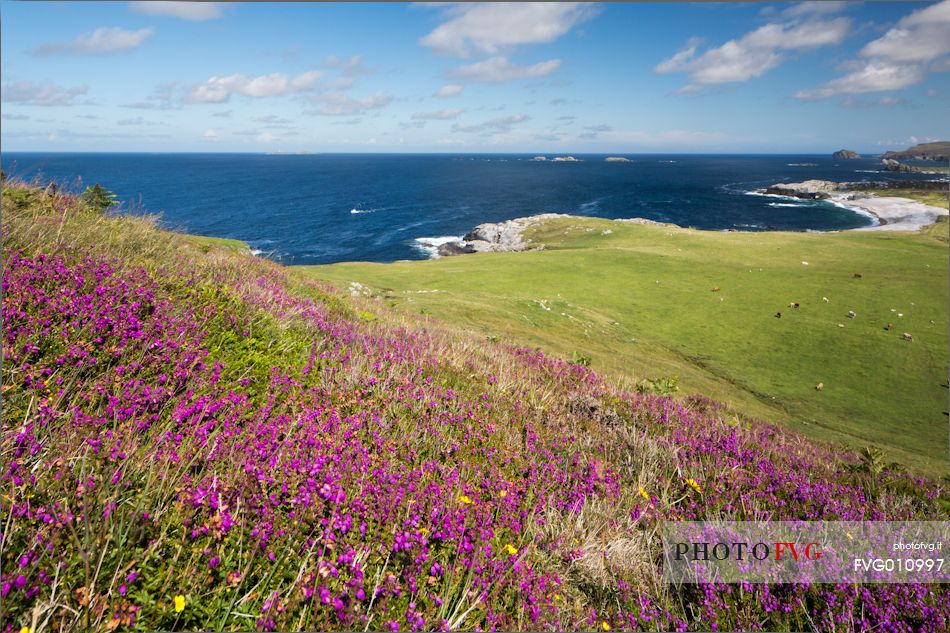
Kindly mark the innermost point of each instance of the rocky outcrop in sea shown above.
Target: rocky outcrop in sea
(846, 153)
(892, 165)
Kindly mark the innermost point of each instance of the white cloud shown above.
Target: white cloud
(876, 75)
(754, 54)
(689, 138)
(40, 94)
(919, 43)
(339, 104)
(886, 102)
(819, 7)
(922, 36)
(136, 121)
(274, 121)
(210, 135)
(220, 89)
(493, 126)
(449, 90)
(351, 66)
(106, 40)
(439, 115)
(491, 27)
(194, 11)
(499, 69)
(162, 98)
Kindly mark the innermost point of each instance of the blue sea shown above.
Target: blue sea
(324, 208)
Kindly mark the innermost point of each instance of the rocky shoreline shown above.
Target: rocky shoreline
(494, 237)
(891, 213)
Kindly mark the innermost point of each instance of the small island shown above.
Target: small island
(617, 159)
(846, 153)
(566, 159)
(540, 158)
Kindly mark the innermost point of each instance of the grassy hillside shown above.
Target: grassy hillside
(648, 302)
(197, 439)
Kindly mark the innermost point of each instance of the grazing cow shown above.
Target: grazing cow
(716, 289)
(889, 327)
(907, 337)
(793, 304)
(778, 315)
(820, 386)
(851, 314)
(857, 275)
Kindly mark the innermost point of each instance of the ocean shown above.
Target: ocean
(326, 208)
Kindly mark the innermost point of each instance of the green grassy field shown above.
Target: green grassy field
(640, 302)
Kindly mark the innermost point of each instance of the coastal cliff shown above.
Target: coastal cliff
(937, 151)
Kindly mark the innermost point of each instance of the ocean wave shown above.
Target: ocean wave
(358, 211)
(589, 206)
(867, 171)
(875, 221)
(770, 195)
(256, 252)
(787, 204)
(802, 164)
(430, 245)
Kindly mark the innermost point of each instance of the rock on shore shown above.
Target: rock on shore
(500, 237)
(810, 189)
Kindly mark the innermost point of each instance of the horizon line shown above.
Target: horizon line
(433, 153)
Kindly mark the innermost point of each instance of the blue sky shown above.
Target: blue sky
(643, 77)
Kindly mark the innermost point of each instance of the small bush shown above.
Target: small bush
(98, 198)
(664, 386)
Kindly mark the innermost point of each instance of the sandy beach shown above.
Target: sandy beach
(891, 213)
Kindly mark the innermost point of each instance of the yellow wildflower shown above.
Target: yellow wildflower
(643, 493)
(502, 494)
(605, 626)
(179, 603)
(465, 499)
(423, 530)
(511, 549)
(25, 629)
(692, 484)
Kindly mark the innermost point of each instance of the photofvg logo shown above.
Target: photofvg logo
(740, 550)
(797, 552)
